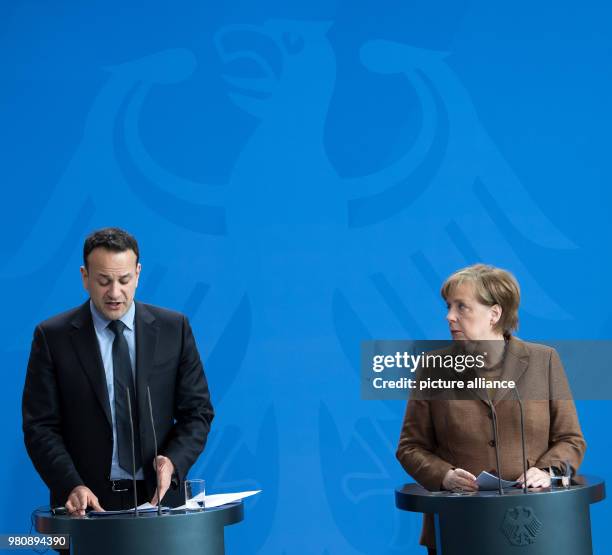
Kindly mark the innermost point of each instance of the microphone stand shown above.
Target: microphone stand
(155, 443)
(520, 402)
(129, 403)
(496, 439)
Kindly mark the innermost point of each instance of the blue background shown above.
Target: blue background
(302, 176)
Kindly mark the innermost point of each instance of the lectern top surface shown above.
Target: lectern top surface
(47, 515)
(580, 481)
(413, 497)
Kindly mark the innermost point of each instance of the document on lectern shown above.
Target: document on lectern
(219, 499)
(144, 508)
(487, 482)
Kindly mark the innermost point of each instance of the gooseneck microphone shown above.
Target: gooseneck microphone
(129, 404)
(520, 402)
(155, 444)
(496, 440)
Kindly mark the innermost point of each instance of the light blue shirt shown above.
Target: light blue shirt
(105, 341)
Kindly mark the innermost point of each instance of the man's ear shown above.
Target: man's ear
(85, 277)
(138, 268)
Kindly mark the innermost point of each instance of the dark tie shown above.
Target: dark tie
(123, 381)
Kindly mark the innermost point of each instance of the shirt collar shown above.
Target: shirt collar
(100, 322)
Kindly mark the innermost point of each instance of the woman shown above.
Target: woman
(444, 445)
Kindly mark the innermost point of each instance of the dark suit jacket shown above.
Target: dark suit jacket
(438, 435)
(66, 410)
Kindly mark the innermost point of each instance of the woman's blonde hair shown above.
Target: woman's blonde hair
(491, 286)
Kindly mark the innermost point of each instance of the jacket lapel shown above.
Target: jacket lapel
(469, 375)
(147, 331)
(515, 365)
(87, 349)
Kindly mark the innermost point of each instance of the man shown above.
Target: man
(93, 365)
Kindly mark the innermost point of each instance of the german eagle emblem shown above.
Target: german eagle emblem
(521, 526)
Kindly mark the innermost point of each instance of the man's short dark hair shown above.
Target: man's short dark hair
(112, 239)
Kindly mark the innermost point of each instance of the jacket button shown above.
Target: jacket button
(492, 443)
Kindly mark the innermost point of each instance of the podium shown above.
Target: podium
(172, 533)
(539, 522)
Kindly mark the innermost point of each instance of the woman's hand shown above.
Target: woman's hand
(457, 479)
(536, 478)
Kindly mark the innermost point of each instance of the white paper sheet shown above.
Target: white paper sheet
(210, 501)
(218, 499)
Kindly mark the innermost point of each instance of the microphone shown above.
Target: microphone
(129, 404)
(496, 439)
(520, 402)
(155, 443)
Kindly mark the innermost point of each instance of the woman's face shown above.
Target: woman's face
(469, 319)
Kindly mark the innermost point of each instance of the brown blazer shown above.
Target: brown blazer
(438, 435)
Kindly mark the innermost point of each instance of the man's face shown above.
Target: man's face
(111, 279)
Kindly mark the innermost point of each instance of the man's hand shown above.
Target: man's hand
(79, 499)
(457, 479)
(536, 478)
(165, 469)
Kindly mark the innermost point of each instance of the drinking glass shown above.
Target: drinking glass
(560, 473)
(195, 490)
